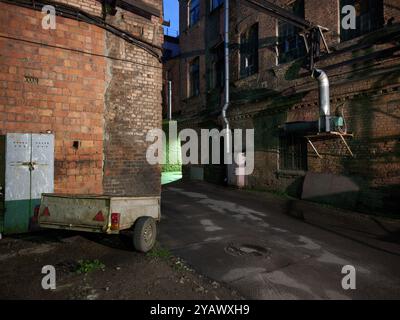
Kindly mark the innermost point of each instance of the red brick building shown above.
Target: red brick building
(95, 81)
(270, 87)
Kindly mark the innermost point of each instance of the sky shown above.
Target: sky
(171, 12)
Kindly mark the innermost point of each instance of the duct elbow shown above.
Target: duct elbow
(324, 95)
(321, 77)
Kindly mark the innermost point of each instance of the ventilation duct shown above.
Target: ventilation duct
(324, 100)
(325, 123)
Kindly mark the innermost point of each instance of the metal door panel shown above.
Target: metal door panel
(42, 175)
(18, 156)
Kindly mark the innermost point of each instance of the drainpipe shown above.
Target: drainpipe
(324, 100)
(226, 105)
(169, 100)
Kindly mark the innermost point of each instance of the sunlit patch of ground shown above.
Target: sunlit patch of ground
(169, 177)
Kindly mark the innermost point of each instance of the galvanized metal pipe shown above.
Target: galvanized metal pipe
(170, 100)
(227, 100)
(324, 97)
(324, 100)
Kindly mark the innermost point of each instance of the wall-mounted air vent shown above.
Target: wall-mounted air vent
(31, 80)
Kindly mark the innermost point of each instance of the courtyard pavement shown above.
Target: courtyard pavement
(270, 247)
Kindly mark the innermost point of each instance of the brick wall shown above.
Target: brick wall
(192, 45)
(68, 98)
(90, 6)
(364, 86)
(104, 103)
(133, 107)
(391, 11)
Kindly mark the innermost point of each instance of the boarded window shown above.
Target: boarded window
(369, 17)
(194, 70)
(194, 12)
(249, 51)
(292, 153)
(290, 43)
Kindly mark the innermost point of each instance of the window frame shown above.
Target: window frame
(194, 78)
(195, 9)
(299, 50)
(245, 40)
(293, 149)
(217, 73)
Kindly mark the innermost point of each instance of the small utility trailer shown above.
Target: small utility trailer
(102, 214)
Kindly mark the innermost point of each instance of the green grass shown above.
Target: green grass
(86, 266)
(159, 252)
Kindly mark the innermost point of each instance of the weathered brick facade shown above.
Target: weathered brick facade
(84, 84)
(133, 107)
(364, 77)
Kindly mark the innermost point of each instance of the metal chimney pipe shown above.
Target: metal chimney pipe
(170, 100)
(324, 99)
(227, 101)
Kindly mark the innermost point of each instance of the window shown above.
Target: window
(214, 4)
(249, 51)
(194, 70)
(369, 17)
(194, 12)
(290, 43)
(218, 72)
(167, 54)
(292, 153)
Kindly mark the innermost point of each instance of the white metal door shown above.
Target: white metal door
(42, 173)
(29, 173)
(18, 157)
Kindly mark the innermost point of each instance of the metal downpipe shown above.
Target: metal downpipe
(169, 100)
(227, 100)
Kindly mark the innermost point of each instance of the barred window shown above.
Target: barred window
(292, 153)
(249, 51)
(290, 43)
(369, 17)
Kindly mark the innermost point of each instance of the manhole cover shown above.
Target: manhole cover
(246, 250)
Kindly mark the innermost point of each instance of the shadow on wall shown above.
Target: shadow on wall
(331, 189)
(348, 226)
(376, 165)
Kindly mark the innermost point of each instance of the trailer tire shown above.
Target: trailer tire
(144, 234)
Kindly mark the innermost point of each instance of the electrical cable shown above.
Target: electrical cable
(77, 14)
(78, 51)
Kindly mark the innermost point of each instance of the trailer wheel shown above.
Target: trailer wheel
(144, 234)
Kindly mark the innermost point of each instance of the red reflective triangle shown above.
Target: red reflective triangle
(99, 216)
(46, 212)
